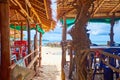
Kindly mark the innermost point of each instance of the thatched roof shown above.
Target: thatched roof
(102, 8)
(36, 11)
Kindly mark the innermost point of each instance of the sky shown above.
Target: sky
(99, 32)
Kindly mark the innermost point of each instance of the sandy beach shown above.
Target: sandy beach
(51, 64)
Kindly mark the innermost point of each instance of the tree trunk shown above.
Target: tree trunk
(81, 42)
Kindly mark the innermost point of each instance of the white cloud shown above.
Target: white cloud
(99, 28)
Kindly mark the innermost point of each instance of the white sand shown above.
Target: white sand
(51, 64)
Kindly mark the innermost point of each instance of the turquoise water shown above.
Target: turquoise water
(94, 42)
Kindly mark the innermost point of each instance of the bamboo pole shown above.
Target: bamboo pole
(63, 49)
(40, 49)
(21, 31)
(5, 40)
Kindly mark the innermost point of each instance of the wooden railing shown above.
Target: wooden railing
(26, 57)
(87, 53)
(27, 73)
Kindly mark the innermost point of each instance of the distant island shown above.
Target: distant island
(53, 44)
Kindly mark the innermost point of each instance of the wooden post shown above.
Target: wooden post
(15, 32)
(40, 49)
(63, 48)
(28, 32)
(35, 47)
(5, 40)
(0, 53)
(21, 32)
(63, 42)
(112, 31)
(29, 43)
(71, 61)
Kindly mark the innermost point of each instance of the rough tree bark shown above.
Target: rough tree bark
(80, 39)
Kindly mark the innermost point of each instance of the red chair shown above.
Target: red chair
(20, 49)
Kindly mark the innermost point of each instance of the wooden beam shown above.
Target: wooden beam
(13, 16)
(5, 40)
(38, 6)
(114, 8)
(13, 2)
(98, 7)
(14, 7)
(41, 13)
(105, 16)
(39, 2)
(33, 10)
(22, 14)
(64, 8)
(17, 21)
(46, 8)
(46, 23)
(23, 10)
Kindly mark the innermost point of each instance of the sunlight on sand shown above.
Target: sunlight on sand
(51, 64)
